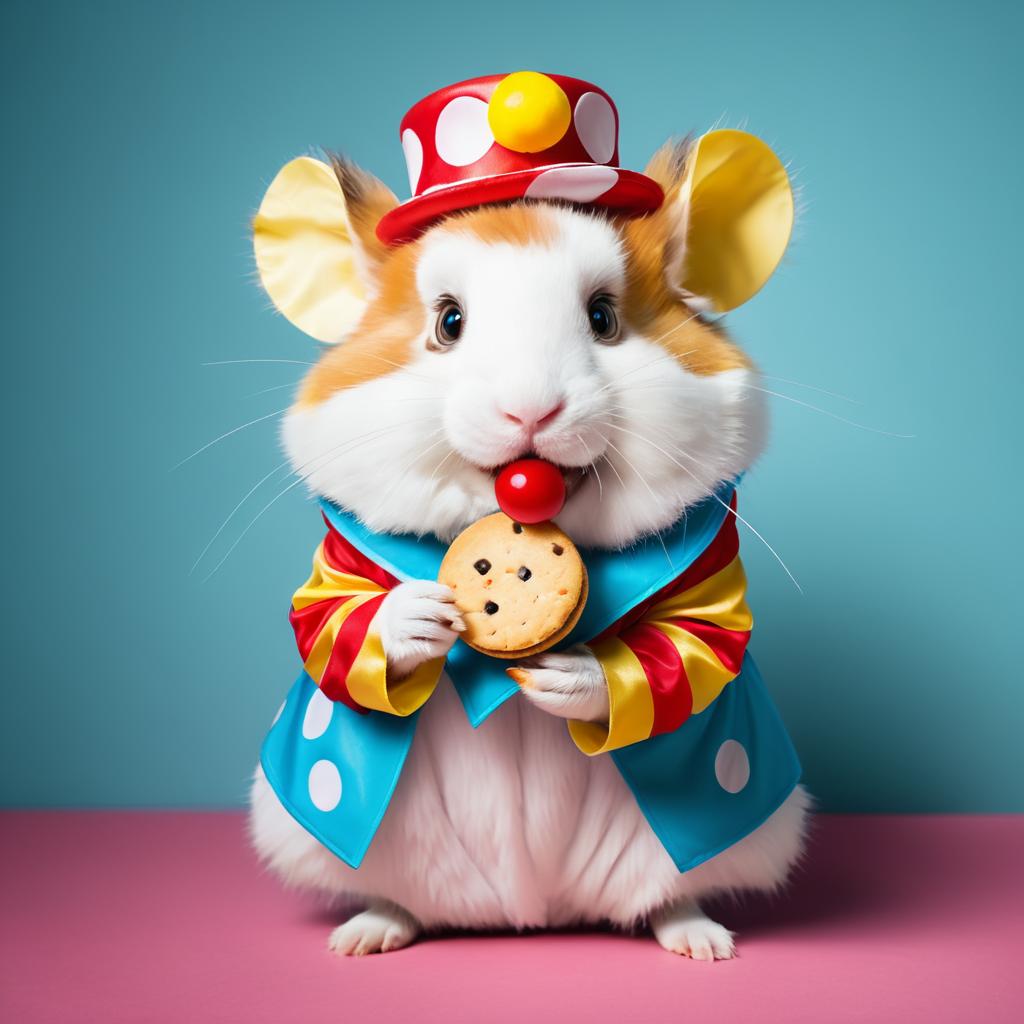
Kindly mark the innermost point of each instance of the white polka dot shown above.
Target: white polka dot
(318, 715)
(462, 134)
(732, 766)
(595, 125)
(278, 715)
(324, 786)
(413, 149)
(577, 184)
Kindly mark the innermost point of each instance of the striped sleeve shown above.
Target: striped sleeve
(671, 657)
(332, 615)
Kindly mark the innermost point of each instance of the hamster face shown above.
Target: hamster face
(527, 329)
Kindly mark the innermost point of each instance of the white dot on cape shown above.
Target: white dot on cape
(732, 766)
(324, 786)
(577, 184)
(595, 125)
(318, 715)
(462, 134)
(413, 149)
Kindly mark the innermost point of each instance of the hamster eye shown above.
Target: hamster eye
(449, 323)
(602, 319)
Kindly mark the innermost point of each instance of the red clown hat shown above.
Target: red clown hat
(519, 136)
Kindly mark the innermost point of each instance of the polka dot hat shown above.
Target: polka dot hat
(519, 136)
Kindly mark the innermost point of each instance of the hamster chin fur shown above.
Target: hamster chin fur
(416, 449)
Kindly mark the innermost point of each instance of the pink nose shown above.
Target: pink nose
(533, 419)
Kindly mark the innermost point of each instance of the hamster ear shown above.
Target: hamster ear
(735, 215)
(316, 249)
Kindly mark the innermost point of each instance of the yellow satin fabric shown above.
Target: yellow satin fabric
(631, 714)
(739, 219)
(720, 599)
(325, 582)
(320, 653)
(304, 253)
(367, 682)
(369, 687)
(706, 674)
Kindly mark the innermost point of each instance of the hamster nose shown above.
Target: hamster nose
(532, 417)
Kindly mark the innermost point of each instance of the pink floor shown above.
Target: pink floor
(111, 917)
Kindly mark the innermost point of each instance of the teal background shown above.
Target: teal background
(137, 141)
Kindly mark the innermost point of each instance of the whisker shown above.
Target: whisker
(224, 436)
(399, 366)
(220, 529)
(728, 507)
(677, 327)
(275, 387)
(347, 443)
(668, 386)
(645, 366)
(301, 478)
(400, 476)
(600, 487)
(437, 468)
(306, 362)
(650, 490)
(252, 522)
(238, 362)
(831, 415)
(611, 465)
(813, 387)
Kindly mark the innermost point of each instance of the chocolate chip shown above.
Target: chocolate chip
(517, 527)
(557, 548)
(490, 607)
(524, 574)
(483, 566)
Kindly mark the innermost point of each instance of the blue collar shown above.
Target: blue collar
(618, 580)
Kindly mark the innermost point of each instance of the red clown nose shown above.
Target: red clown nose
(530, 491)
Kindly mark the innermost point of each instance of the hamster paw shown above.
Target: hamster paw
(683, 928)
(380, 929)
(417, 622)
(570, 684)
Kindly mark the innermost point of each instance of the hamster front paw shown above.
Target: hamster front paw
(570, 684)
(417, 622)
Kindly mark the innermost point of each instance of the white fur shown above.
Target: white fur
(380, 928)
(510, 825)
(570, 684)
(417, 622)
(411, 451)
(683, 928)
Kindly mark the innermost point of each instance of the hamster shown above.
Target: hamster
(647, 407)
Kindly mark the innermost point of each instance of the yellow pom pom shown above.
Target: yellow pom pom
(528, 112)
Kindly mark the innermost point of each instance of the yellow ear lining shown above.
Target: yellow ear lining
(739, 218)
(304, 251)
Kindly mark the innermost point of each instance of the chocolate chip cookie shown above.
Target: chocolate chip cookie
(520, 587)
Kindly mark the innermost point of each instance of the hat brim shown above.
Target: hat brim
(625, 192)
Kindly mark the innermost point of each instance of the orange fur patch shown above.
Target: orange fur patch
(382, 341)
(513, 224)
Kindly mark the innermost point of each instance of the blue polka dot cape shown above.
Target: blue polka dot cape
(702, 787)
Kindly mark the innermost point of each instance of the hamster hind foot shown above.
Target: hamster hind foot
(683, 928)
(381, 928)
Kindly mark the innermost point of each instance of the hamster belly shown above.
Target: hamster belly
(509, 825)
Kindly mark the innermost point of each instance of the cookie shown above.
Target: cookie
(520, 587)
